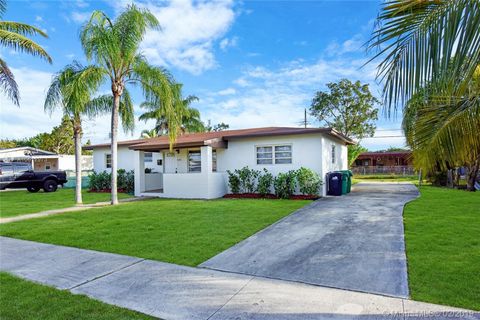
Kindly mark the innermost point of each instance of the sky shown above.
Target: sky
(250, 63)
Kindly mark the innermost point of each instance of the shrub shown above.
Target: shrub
(233, 181)
(103, 181)
(265, 181)
(308, 181)
(285, 184)
(247, 178)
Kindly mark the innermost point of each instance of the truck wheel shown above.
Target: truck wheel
(33, 189)
(50, 186)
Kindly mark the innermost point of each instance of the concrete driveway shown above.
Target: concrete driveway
(351, 242)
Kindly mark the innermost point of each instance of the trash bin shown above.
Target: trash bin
(348, 175)
(344, 181)
(334, 184)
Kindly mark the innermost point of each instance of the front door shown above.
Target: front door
(170, 164)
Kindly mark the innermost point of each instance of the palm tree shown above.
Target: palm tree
(431, 56)
(147, 134)
(113, 46)
(188, 117)
(13, 35)
(426, 42)
(71, 90)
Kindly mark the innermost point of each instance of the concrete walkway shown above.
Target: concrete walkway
(81, 207)
(170, 291)
(351, 242)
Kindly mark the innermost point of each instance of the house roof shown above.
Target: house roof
(219, 138)
(385, 153)
(27, 151)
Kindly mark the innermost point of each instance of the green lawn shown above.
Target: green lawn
(14, 203)
(442, 234)
(20, 299)
(179, 231)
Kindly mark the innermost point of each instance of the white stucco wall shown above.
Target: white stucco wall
(126, 159)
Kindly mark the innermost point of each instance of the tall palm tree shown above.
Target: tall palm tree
(14, 35)
(431, 55)
(72, 91)
(188, 117)
(113, 46)
(147, 134)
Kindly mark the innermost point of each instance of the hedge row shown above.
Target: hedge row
(102, 181)
(284, 185)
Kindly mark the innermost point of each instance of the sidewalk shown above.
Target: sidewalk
(170, 291)
(81, 207)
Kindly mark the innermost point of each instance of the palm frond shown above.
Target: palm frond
(126, 112)
(3, 7)
(8, 84)
(21, 43)
(22, 28)
(425, 41)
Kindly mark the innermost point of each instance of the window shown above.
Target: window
(281, 154)
(159, 162)
(47, 166)
(264, 155)
(148, 157)
(333, 153)
(108, 161)
(194, 161)
(214, 160)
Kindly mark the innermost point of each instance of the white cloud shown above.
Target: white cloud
(226, 92)
(354, 44)
(189, 31)
(70, 56)
(228, 43)
(80, 17)
(38, 18)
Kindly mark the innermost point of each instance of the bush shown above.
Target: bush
(265, 181)
(233, 182)
(243, 180)
(285, 184)
(103, 181)
(309, 181)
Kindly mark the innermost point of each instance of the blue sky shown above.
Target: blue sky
(251, 63)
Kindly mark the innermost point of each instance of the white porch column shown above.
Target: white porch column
(206, 157)
(139, 169)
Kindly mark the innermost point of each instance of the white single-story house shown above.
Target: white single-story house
(197, 166)
(41, 160)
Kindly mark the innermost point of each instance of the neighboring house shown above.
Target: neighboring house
(41, 160)
(384, 162)
(196, 168)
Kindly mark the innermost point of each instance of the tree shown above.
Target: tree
(216, 127)
(188, 117)
(113, 46)
(431, 56)
(147, 134)
(353, 152)
(348, 107)
(14, 35)
(71, 90)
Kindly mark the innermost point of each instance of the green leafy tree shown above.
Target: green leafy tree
(71, 90)
(348, 107)
(216, 127)
(113, 46)
(14, 35)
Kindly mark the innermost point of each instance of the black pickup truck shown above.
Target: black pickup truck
(15, 177)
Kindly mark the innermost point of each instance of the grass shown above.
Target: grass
(383, 178)
(14, 203)
(179, 231)
(442, 234)
(20, 299)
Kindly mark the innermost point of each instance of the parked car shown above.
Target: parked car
(19, 176)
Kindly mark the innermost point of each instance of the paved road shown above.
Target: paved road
(351, 242)
(174, 292)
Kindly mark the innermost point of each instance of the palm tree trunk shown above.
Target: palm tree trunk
(77, 134)
(472, 172)
(113, 147)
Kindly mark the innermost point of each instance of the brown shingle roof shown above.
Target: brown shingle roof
(213, 138)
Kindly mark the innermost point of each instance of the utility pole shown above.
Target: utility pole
(305, 118)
